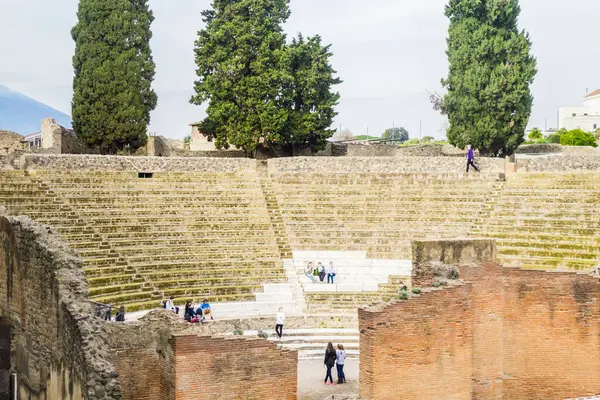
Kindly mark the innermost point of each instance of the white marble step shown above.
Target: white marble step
(340, 287)
(277, 287)
(274, 297)
(331, 255)
(365, 270)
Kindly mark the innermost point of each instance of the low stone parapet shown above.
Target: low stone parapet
(68, 162)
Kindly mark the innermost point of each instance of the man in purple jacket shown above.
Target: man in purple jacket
(471, 159)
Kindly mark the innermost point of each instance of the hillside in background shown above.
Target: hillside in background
(24, 115)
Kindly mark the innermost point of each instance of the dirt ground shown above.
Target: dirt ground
(311, 374)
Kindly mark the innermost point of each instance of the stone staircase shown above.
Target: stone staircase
(311, 343)
(274, 213)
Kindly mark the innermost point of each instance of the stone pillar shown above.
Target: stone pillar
(51, 135)
(151, 146)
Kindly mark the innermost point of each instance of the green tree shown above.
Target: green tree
(307, 92)
(428, 139)
(578, 137)
(535, 134)
(260, 90)
(554, 138)
(400, 134)
(114, 70)
(488, 99)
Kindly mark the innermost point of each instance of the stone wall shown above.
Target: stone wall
(159, 146)
(136, 164)
(392, 150)
(418, 349)
(447, 251)
(358, 165)
(215, 368)
(530, 335)
(9, 141)
(560, 163)
(57, 349)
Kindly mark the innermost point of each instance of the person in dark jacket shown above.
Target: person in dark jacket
(189, 311)
(330, 357)
(120, 315)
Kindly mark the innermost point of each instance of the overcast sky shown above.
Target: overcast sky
(388, 52)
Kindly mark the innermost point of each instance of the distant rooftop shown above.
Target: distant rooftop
(593, 94)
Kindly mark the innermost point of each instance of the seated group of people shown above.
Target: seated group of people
(191, 314)
(312, 273)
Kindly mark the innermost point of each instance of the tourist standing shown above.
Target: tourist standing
(330, 273)
(471, 159)
(321, 272)
(339, 363)
(309, 271)
(330, 356)
(279, 321)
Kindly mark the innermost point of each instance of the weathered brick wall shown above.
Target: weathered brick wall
(57, 349)
(418, 349)
(448, 251)
(551, 335)
(534, 335)
(216, 368)
(136, 164)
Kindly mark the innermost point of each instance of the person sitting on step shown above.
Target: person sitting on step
(170, 305)
(190, 315)
(321, 272)
(331, 273)
(204, 310)
(309, 271)
(120, 317)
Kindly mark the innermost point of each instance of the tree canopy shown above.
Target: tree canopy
(488, 100)
(114, 70)
(399, 134)
(260, 90)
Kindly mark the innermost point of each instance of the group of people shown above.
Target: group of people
(191, 314)
(320, 271)
(333, 357)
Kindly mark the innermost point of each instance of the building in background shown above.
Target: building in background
(198, 141)
(586, 118)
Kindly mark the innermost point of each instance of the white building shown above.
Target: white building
(586, 118)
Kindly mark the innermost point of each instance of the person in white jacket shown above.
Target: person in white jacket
(279, 321)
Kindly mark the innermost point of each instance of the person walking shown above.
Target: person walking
(279, 321)
(339, 363)
(309, 271)
(330, 356)
(330, 273)
(471, 159)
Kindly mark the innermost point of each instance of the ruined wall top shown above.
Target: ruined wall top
(136, 164)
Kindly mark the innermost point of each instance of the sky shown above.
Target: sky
(389, 53)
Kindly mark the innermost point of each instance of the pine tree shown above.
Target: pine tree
(114, 70)
(262, 92)
(488, 99)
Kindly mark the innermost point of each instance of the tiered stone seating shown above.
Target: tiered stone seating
(178, 234)
(377, 212)
(547, 221)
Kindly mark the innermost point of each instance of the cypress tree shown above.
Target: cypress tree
(114, 70)
(488, 99)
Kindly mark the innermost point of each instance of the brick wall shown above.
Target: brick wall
(216, 368)
(551, 335)
(530, 335)
(418, 349)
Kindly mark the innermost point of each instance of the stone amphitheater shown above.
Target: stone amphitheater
(82, 233)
